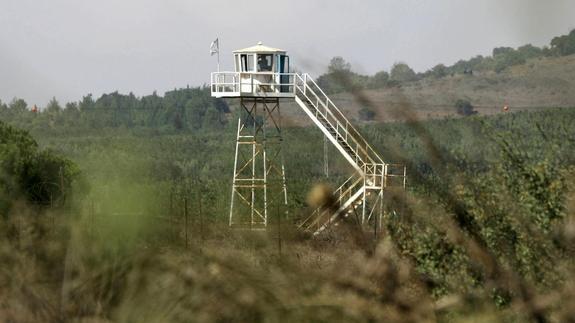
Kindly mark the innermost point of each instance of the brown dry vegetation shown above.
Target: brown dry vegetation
(72, 272)
(73, 275)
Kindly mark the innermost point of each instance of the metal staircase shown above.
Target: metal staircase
(372, 174)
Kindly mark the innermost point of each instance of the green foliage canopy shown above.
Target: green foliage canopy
(39, 177)
(189, 109)
(401, 72)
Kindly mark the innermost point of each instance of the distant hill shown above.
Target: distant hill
(540, 83)
(522, 78)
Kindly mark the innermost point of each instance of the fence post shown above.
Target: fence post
(201, 217)
(186, 219)
(279, 230)
(173, 236)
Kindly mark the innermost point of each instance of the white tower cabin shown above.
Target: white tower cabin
(260, 79)
(260, 71)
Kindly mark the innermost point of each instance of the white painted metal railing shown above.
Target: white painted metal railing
(325, 214)
(261, 83)
(375, 177)
(340, 127)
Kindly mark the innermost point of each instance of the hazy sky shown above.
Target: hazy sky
(68, 48)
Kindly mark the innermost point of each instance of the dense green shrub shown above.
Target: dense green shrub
(464, 108)
(39, 177)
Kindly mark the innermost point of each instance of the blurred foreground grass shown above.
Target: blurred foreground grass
(486, 232)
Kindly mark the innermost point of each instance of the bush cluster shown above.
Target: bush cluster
(30, 174)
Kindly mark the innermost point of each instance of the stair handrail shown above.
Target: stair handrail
(338, 125)
(342, 116)
(341, 121)
(342, 192)
(320, 208)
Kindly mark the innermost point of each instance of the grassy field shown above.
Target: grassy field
(485, 231)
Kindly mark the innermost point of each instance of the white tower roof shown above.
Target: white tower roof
(260, 48)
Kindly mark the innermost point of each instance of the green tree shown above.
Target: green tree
(86, 103)
(338, 65)
(379, 80)
(508, 59)
(339, 77)
(438, 71)
(71, 114)
(401, 72)
(194, 113)
(53, 107)
(529, 51)
(564, 45)
(18, 106)
(212, 119)
(502, 51)
(71, 107)
(4, 111)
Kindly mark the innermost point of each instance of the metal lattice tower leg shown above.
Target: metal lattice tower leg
(259, 185)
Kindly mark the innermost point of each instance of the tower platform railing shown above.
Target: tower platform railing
(254, 84)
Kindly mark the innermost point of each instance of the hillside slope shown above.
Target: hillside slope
(538, 84)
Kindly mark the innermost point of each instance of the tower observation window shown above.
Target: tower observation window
(247, 63)
(265, 63)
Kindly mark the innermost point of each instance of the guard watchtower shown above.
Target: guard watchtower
(260, 79)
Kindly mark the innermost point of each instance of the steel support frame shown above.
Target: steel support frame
(371, 200)
(259, 185)
(372, 208)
